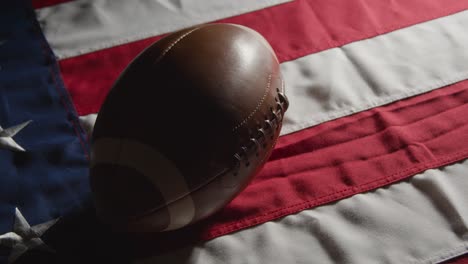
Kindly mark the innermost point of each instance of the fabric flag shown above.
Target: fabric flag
(371, 166)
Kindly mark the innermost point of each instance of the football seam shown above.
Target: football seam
(165, 51)
(137, 217)
(252, 113)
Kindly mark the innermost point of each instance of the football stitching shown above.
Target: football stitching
(155, 209)
(282, 105)
(257, 107)
(173, 44)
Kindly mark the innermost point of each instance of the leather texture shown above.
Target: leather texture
(185, 128)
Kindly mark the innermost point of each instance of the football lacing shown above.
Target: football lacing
(258, 138)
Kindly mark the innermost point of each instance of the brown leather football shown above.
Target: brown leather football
(185, 128)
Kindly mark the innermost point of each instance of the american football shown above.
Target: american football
(185, 128)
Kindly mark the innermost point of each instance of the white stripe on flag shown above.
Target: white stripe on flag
(83, 26)
(376, 71)
(422, 220)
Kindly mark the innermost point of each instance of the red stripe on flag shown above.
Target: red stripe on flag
(45, 3)
(344, 157)
(294, 29)
(460, 260)
(352, 155)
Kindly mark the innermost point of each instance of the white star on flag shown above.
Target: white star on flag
(24, 237)
(6, 137)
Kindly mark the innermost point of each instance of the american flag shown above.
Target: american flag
(371, 166)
